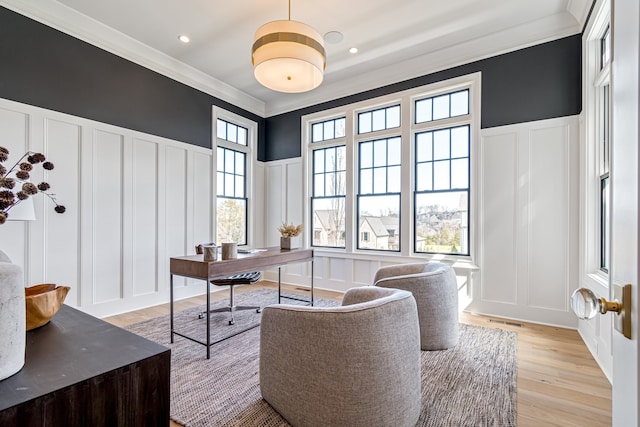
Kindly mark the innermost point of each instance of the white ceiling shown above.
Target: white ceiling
(397, 39)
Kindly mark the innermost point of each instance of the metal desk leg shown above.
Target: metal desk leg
(208, 318)
(171, 303)
(279, 286)
(312, 282)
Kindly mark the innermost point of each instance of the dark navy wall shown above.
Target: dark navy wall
(47, 68)
(539, 82)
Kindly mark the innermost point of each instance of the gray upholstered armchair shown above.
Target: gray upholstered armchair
(434, 286)
(353, 365)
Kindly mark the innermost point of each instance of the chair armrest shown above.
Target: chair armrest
(399, 270)
(364, 294)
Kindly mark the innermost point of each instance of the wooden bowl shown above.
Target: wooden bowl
(43, 302)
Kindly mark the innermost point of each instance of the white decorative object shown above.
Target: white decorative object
(12, 318)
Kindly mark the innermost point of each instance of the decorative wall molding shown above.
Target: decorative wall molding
(528, 244)
(133, 200)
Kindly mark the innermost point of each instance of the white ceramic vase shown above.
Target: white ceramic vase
(12, 318)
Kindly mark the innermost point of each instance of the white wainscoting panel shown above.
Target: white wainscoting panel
(284, 201)
(498, 217)
(133, 200)
(175, 171)
(528, 245)
(257, 210)
(548, 284)
(295, 205)
(62, 265)
(107, 214)
(202, 198)
(144, 205)
(275, 202)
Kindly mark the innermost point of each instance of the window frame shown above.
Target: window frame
(596, 157)
(250, 161)
(406, 132)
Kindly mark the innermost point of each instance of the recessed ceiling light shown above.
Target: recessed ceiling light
(353, 50)
(183, 38)
(333, 37)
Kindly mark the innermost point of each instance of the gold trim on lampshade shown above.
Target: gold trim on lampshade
(288, 56)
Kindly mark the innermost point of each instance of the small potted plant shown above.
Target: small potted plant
(287, 231)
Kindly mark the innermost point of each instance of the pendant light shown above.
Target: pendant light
(288, 56)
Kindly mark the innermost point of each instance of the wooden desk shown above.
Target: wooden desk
(195, 267)
(82, 371)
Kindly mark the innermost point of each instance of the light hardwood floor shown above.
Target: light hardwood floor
(558, 381)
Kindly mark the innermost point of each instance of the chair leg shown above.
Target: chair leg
(231, 307)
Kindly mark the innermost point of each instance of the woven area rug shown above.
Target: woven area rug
(473, 384)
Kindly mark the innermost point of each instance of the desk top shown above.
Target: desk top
(71, 348)
(195, 266)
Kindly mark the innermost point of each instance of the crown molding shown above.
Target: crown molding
(580, 10)
(372, 77)
(80, 26)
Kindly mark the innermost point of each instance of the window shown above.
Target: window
(231, 200)
(329, 129)
(605, 48)
(604, 137)
(231, 133)
(442, 106)
(379, 191)
(233, 149)
(596, 199)
(328, 196)
(394, 174)
(382, 118)
(442, 190)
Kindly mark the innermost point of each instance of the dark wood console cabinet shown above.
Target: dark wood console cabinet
(82, 371)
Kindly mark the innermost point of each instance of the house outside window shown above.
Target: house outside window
(235, 137)
(404, 163)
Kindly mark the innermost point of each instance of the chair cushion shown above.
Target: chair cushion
(238, 279)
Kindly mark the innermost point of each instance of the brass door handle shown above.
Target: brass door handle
(586, 304)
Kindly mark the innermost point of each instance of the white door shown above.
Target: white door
(624, 201)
